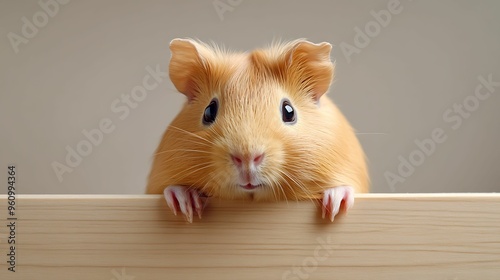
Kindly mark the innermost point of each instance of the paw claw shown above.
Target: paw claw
(185, 200)
(333, 198)
(197, 202)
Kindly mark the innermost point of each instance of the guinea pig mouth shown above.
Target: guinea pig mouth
(250, 187)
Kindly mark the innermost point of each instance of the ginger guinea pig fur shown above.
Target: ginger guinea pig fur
(256, 125)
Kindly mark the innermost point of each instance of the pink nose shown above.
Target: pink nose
(256, 160)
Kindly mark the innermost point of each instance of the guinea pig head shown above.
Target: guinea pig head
(243, 131)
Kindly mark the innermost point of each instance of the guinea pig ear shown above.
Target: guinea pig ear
(187, 66)
(309, 67)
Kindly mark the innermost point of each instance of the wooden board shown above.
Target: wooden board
(124, 237)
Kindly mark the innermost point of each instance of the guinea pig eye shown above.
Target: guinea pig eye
(210, 112)
(287, 112)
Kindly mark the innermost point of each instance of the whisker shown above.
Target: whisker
(301, 186)
(185, 150)
(192, 134)
(272, 189)
(277, 183)
(289, 186)
(184, 175)
(196, 142)
(193, 185)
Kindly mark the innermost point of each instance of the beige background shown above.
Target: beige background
(65, 78)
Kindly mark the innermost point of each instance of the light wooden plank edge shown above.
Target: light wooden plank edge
(360, 195)
(450, 236)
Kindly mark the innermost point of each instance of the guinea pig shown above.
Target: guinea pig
(257, 125)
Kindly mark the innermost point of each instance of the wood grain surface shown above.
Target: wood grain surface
(125, 237)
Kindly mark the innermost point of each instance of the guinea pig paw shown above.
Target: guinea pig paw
(183, 199)
(332, 200)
